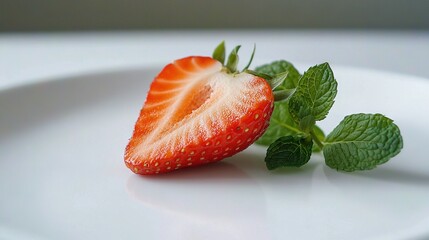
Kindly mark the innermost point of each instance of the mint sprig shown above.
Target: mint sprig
(359, 142)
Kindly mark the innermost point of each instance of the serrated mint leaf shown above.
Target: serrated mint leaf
(289, 151)
(278, 67)
(361, 142)
(281, 124)
(314, 96)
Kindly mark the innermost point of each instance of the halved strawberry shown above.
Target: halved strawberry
(197, 112)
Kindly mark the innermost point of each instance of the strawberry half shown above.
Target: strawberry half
(197, 112)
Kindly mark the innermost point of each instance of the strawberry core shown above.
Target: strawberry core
(199, 99)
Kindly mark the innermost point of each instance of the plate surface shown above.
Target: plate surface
(62, 174)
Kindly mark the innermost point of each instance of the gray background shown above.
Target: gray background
(76, 15)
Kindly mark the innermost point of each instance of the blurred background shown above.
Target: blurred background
(77, 15)
(42, 39)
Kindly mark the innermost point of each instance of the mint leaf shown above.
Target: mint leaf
(361, 142)
(281, 124)
(289, 151)
(314, 96)
(278, 67)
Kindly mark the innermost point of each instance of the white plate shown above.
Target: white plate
(62, 174)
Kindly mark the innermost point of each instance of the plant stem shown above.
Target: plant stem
(316, 140)
(287, 126)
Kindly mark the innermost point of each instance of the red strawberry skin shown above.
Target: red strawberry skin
(196, 113)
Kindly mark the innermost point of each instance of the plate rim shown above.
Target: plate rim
(28, 83)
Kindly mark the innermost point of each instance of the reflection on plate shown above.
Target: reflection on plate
(62, 174)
